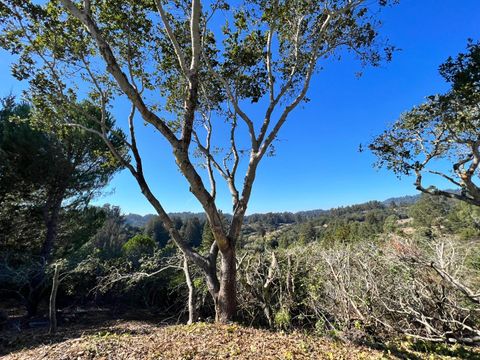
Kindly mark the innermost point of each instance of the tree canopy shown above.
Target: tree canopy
(49, 172)
(265, 54)
(443, 130)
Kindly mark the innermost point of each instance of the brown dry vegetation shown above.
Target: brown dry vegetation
(140, 340)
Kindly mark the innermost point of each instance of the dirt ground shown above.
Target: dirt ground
(100, 338)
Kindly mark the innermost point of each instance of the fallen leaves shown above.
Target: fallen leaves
(137, 340)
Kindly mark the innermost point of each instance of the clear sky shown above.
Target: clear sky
(317, 163)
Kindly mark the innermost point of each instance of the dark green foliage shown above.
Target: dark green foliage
(464, 220)
(113, 234)
(307, 233)
(192, 231)
(347, 224)
(155, 229)
(274, 219)
(19, 262)
(26, 155)
(207, 238)
(47, 167)
(77, 226)
(207, 235)
(430, 211)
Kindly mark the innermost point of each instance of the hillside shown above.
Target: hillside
(300, 216)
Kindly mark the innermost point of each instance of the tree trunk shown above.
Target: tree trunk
(226, 299)
(51, 223)
(192, 313)
(51, 216)
(53, 301)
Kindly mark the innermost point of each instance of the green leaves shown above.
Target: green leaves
(58, 56)
(47, 154)
(446, 127)
(139, 245)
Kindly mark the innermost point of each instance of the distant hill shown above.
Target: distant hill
(140, 221)
(411, 199)
(285, 217)
(137, 220)
(402, 200)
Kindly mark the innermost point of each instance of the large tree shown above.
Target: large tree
(20, 160)
(182, 66)
(48, 168)
(441, 137)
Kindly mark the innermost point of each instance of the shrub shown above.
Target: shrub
(424, 289)
(283, 319)
(138, 246)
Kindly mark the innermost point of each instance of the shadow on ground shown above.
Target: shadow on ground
(419, 350)
(91, 322)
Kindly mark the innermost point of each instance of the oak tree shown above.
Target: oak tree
(441, 137)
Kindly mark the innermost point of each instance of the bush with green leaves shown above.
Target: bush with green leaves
(138, 246)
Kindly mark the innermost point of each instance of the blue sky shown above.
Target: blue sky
(317, 163)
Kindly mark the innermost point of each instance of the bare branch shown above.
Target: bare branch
(475, 297)
(195, 35)
(172, 37)
(114, 69)
(234, 101)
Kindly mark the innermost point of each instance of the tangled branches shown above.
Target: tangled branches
(398, 287)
